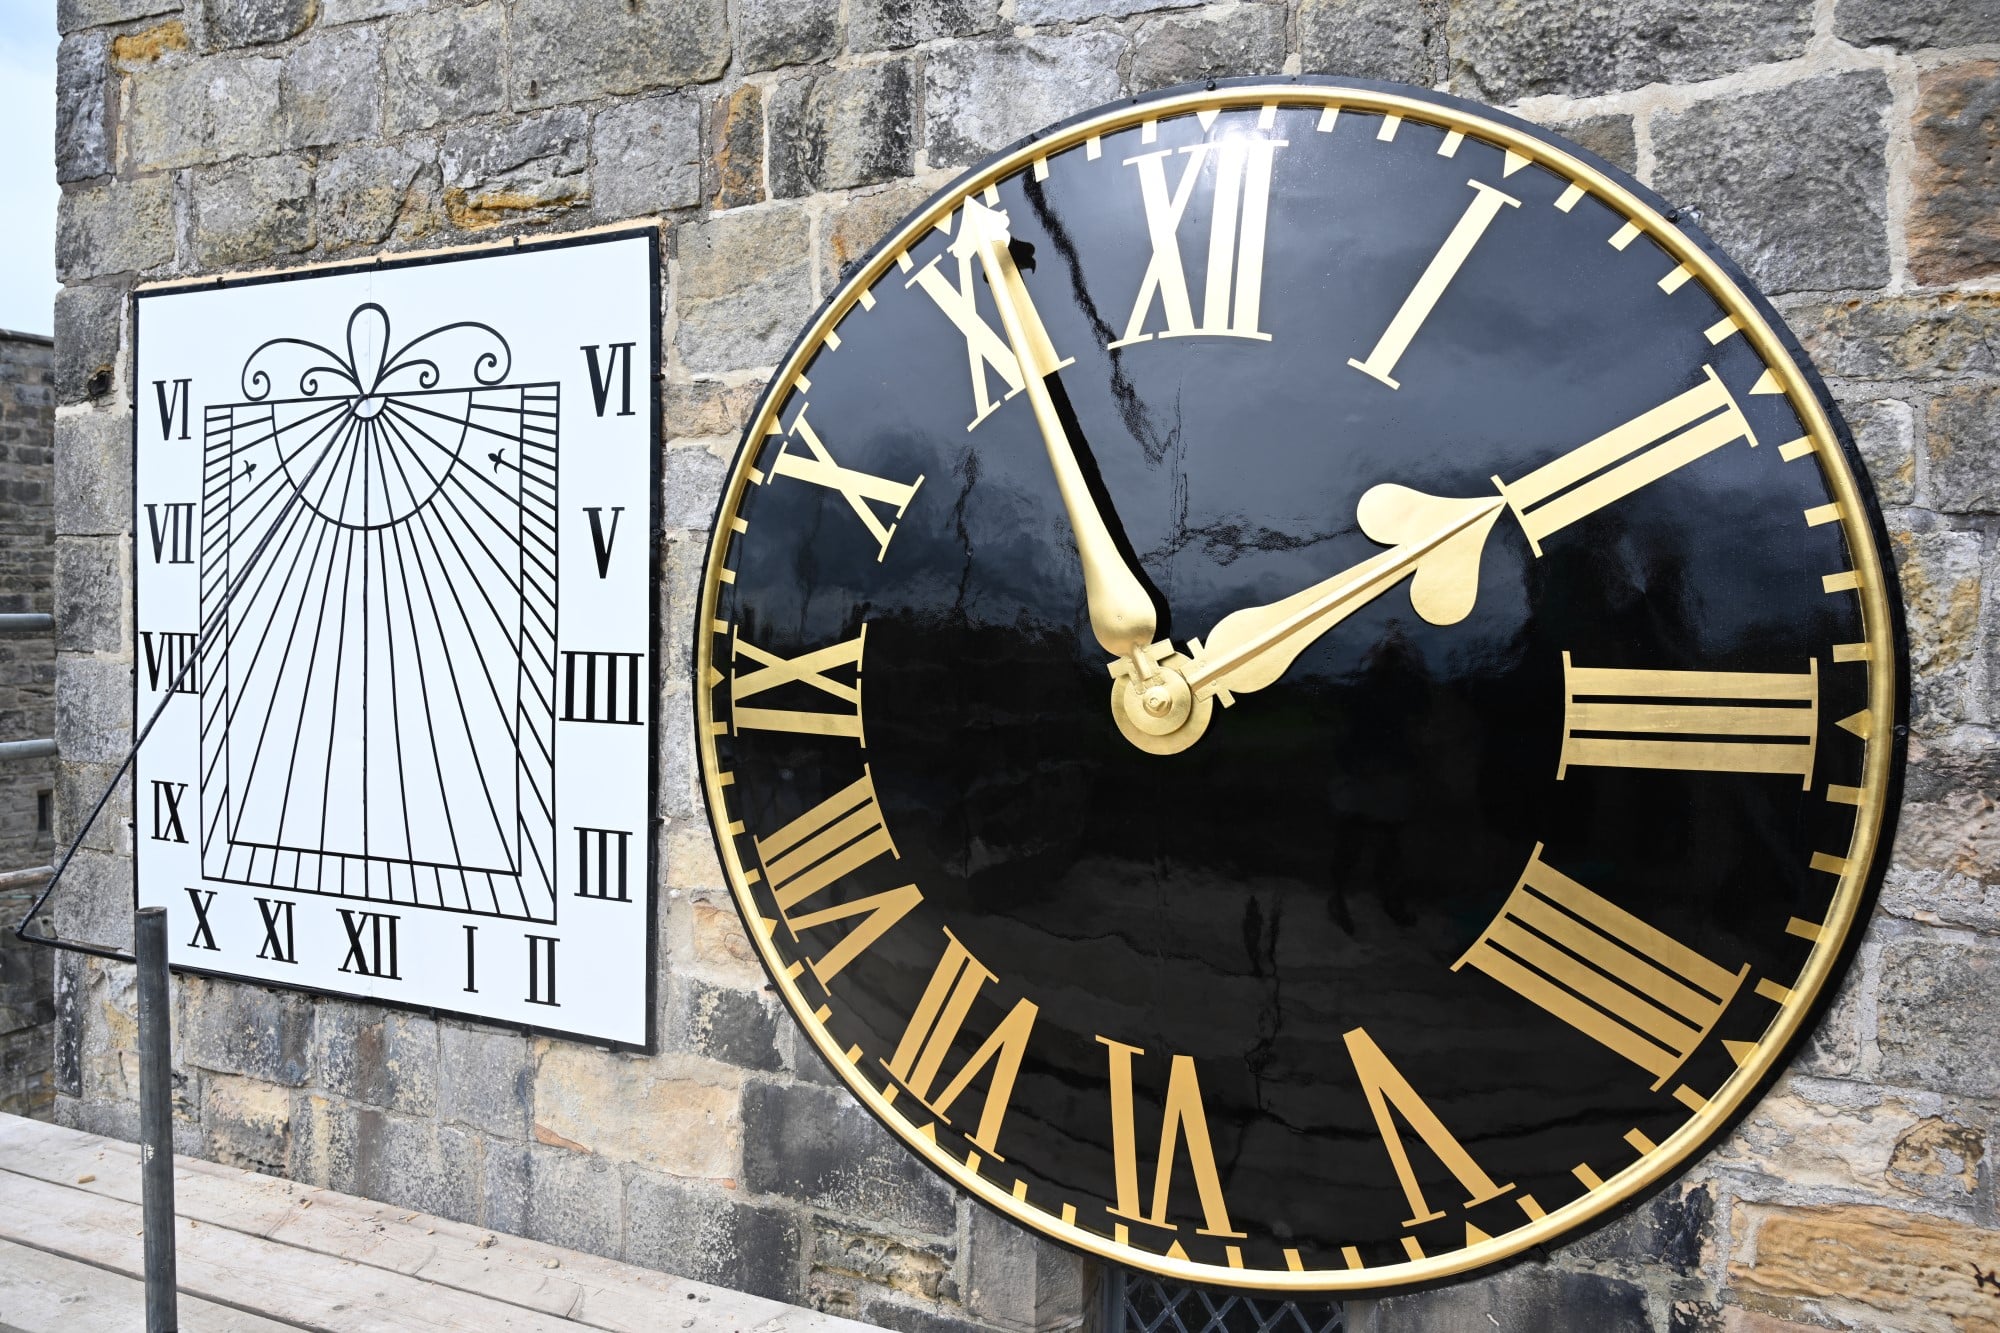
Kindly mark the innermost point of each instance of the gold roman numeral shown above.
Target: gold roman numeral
(825, 844)
(1183, 1121)
(1603, 971)
(1620, 461)
(1233, 291)
(1386, 1088)
(986, 351)
(1696, 721)
(861, 490)
(920, 1055)
(1437, 275)
(810, 668)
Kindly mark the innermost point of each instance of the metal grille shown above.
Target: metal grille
(1138, 1303)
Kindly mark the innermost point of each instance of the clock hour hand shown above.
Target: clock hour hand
(1121, 610)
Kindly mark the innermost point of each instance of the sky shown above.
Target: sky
(27, 165)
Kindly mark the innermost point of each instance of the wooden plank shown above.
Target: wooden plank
(47, 1293)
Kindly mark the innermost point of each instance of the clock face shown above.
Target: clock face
(1297, 688)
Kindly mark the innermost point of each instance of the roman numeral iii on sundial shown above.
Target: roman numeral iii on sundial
(1298, 687)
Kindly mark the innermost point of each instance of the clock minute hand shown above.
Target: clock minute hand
(1121, 610)
(1438, 539)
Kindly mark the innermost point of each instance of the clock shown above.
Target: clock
(1298, 686)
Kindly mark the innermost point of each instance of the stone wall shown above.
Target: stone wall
(1843, 150)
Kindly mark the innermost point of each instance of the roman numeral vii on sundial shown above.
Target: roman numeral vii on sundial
(171, 527)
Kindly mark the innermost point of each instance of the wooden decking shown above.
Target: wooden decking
(259, 1253)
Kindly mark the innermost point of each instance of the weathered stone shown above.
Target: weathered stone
(371, 193)
(1016, 1279)
(251, 22)
(1938, 1158)
(378, 1056)
(705, 407)
(702, 1233)
(238, 1028)
(1179, 48)
(93, 905)
(350, 11)
(77, 788)
(842, 128)
(93, 708)
(1940, 576)
(1664, 1234)
(143, 46)
(849, 232)
(1370, 39)
(74, 14)
(690, 479)
(1503, 50)
(443, 65)
(819, 1146)
(1833, 1048)
(564, 51)
(1947, 864)
(1939, 1014)
(918, 1269)
(1884, 431)
(1963, 464)
(646, 157)
(733, 174)
(528, 170)
(330, 88)
(93, 475)
(572, 1200)
(84, 88)
(117, 227)
(251, 213)
(1920, 1272)
(720, 943)
(651, 1112)
(411, 1163)
(1756, 162)
(1954, 222)
(1065, 11)
(1610, 137)
(877, 25)
(680, 796)
(980, 96)
(1902, 337)
(88, 324)
(736, 1027)
(1546, 1300)
(770, 33)
(485, 1079)
(90, 594)
(1820, 1134)
(743, 288)
(249, 1123)
(1912, 24)
(181, 112)
(901, 1316)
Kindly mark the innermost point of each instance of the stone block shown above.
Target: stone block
(182, 112)
(1372, 39)
(89, 321)
(661, 1113)
(330, 88)
(1544, 1299)
(74, 14)
(381, 1057)
(72, 980)
(253, 213)
(93, 470)
(236, 1028)
(352, 11)
(84, 89)
(737, 1027)
(93, 904)
(505, 1181)
(1180, 48)
(530, 169)
(1940, 574)
(721, 946)
(842, 128)
(77, 788)
(771, 33)
(1962, 460)
(1504, 50)
(679, 795)
(733, 170)
(1884, 430)
(980, 96)
(412, 1163)
(646, 157)
(706, 407)
(848, 232)
(573, 1200)
(1938, 1007)
(1665, 1234)
(701, 1232)
(485, 1079)
(227, 23)
(1911, 25)
(1902, 337)
(563, 52)
(90, 594)
(879, 25)
(1954, 222)
(1833, 1048)
(1610, 137)
(743, 288)
(919, 1269)
(1071, 11)
(443, 65)
(93, 708)
(249, 1123)
(1872, 1267)
(367, 194)
(818, 1146)
(143, 46)
(1755, 163)
(904, 1316)
(1016, 1279)
(123, 226)
(803, 1059)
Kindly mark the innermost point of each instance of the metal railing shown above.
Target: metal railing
(1141, 1303)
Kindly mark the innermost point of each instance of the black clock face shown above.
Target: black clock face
(1297, 688)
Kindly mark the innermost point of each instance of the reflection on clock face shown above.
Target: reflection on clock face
(1517, 625)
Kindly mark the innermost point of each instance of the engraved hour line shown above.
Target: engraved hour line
(771, 671)
(1625, 458)
(1233, 288)
(1437, 275)
(1636, 990)
(941, 1012)
(1694, 721)
(826, 843)
(1182, 1119)
(861, 490)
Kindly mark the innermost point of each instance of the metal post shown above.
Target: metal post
(156, 1118)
